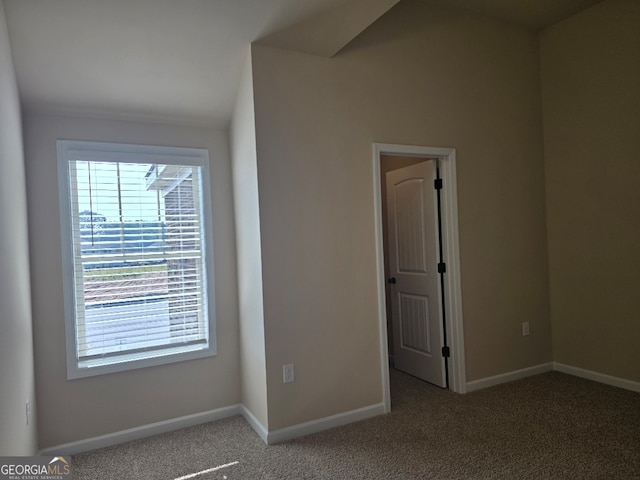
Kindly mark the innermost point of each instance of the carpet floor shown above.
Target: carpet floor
(549, 426)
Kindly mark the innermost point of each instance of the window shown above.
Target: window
(138, 270)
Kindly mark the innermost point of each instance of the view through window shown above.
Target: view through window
(138, 250)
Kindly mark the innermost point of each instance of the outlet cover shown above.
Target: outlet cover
(525, 329)
(288, 374)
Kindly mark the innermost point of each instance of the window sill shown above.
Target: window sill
(101, 366)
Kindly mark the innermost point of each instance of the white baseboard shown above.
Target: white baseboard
(547, 367)
(315, 426)
(143, 431)
(598, 377)
(255, 423)
(165, 426)
(508, 377)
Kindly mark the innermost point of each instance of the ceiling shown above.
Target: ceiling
(181, 60)
(531, 13)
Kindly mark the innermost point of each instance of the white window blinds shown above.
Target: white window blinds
(139, 260)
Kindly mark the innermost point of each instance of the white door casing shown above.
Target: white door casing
(413, 249)
(451, 257)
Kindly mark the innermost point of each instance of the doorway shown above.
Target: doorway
(411, 235)
(445, 157)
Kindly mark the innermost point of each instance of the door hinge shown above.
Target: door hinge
(442, 267)
(446, 352)
(437, 184)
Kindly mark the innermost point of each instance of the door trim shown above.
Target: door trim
(451, 256)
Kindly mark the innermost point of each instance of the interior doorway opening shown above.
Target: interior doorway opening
(389, 157)
(416, 330)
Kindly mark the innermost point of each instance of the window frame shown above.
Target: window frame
(70, 150)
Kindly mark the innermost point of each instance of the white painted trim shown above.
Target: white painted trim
(553, 366)
(315, 426)
(143, 431)
(67, 152)
(382, 301)
(277, 436)
(508, 377)
(255, 424)
(598, 377)
(452, 279)
(451, 252)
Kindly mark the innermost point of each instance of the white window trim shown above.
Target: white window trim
(97, 151)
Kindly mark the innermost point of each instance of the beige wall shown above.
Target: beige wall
(87, 407)
(245, 193)
(17, 384)
(304, 212)
(418, 76)
(591, 101)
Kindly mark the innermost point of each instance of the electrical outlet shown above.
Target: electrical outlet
(525, 329)
(28, 411)
(288, 374)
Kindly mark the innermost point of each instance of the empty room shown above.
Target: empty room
(321, 238)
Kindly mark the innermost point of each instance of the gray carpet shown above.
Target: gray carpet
(550, 426)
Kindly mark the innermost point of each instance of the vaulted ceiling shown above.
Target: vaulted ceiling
(182, 59)
(532, 13)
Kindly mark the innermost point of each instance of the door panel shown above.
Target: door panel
(413, 261)
(414, 315)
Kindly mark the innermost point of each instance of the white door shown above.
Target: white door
(413, 266)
